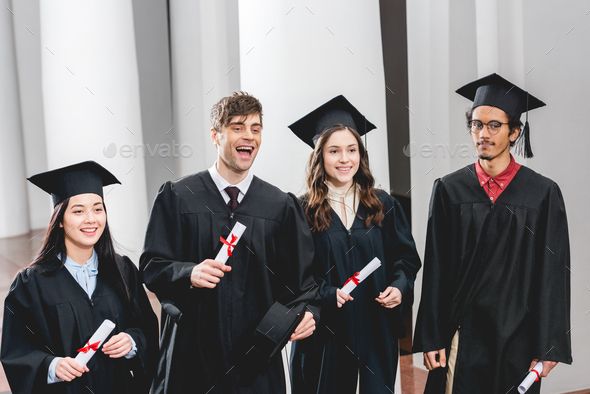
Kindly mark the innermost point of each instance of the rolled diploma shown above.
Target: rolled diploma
(237, 231)
(99, 336)
(530, 378)
(363, 274)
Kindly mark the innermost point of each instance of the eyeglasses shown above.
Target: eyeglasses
(476, 126)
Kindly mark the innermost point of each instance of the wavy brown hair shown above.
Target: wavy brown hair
(317, 208)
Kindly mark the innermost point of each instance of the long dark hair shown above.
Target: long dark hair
(47, 261)
(318, 206)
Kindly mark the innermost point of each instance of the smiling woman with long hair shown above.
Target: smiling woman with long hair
(75, 282)
(355, 347)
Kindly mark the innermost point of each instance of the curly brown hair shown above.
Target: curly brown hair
(318, 208)
(238, 104)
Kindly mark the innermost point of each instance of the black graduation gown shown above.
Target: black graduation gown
(50, 316)
(271, 262)
(500, 271)
(362, 335)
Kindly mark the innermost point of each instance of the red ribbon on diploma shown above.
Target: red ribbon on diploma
(229, 244)
(537, 372)
(354, 279)
(89, 346)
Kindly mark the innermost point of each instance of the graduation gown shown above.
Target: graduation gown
(361, 337)
(500, 272)
(51, 315)
(271, 262)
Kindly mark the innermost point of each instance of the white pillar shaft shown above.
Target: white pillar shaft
(91, 98)
(27, 34)
(488, 53)
(14, 217)
(296, 57)
(205, 67)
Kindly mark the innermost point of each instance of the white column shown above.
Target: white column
(295, 57)
(27, 34)
(91, 98)
(14, 216)
(488, 53)
(205, 68)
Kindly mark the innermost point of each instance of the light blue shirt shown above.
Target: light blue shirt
(86, 276)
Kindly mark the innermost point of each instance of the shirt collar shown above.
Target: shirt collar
(502, 178)
(221, 183)
(92, 263)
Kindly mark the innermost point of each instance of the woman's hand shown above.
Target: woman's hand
(68, 369)
(118, 346)
(390, 298)
(342, 297)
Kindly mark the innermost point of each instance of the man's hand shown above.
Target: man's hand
(390, 298)
(305, 328)
(118, 346)
(547, 367)
(208, 273)
(68, 369)
(342, 297)
(430, 359)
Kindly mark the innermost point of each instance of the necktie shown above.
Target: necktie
(232, 192)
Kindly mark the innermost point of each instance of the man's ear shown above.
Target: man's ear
(515, 133)
(214, 137)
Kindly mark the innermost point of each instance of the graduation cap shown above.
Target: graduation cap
(65, 182)
(253, 351)
(496, 91)
(336, 111)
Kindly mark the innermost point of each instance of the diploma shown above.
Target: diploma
(230, 243)
(358, 277)
(86, 353)
(531, 378)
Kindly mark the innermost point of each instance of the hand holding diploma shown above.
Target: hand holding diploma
(68, 369)
(88, 350)
(209, 272)
(358, 277)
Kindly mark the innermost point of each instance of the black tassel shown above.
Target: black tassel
(528, 152)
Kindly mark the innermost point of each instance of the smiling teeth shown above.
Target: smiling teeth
(88, 231)
(242, 149)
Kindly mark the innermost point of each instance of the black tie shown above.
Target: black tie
(232, 192)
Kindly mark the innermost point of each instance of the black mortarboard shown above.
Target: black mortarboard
(253, 351)
(496, 91)
(86, 177)
(336, 111)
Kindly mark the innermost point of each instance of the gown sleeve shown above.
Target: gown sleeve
(143, 330)
(25, 353)
(428, 335)
(551, 298)
(402, 260)
(161, 263)
(295, 253)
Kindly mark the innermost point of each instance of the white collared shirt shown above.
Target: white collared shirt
(221, 184)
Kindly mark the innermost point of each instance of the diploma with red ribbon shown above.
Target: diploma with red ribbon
(230, 242)
(88, 350)
(531, 378)
(358, 277)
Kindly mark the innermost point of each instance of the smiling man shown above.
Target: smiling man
(496, 287)
(209, 310)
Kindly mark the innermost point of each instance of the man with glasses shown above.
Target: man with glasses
(496, 287)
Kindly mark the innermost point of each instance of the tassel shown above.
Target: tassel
(528, 152)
